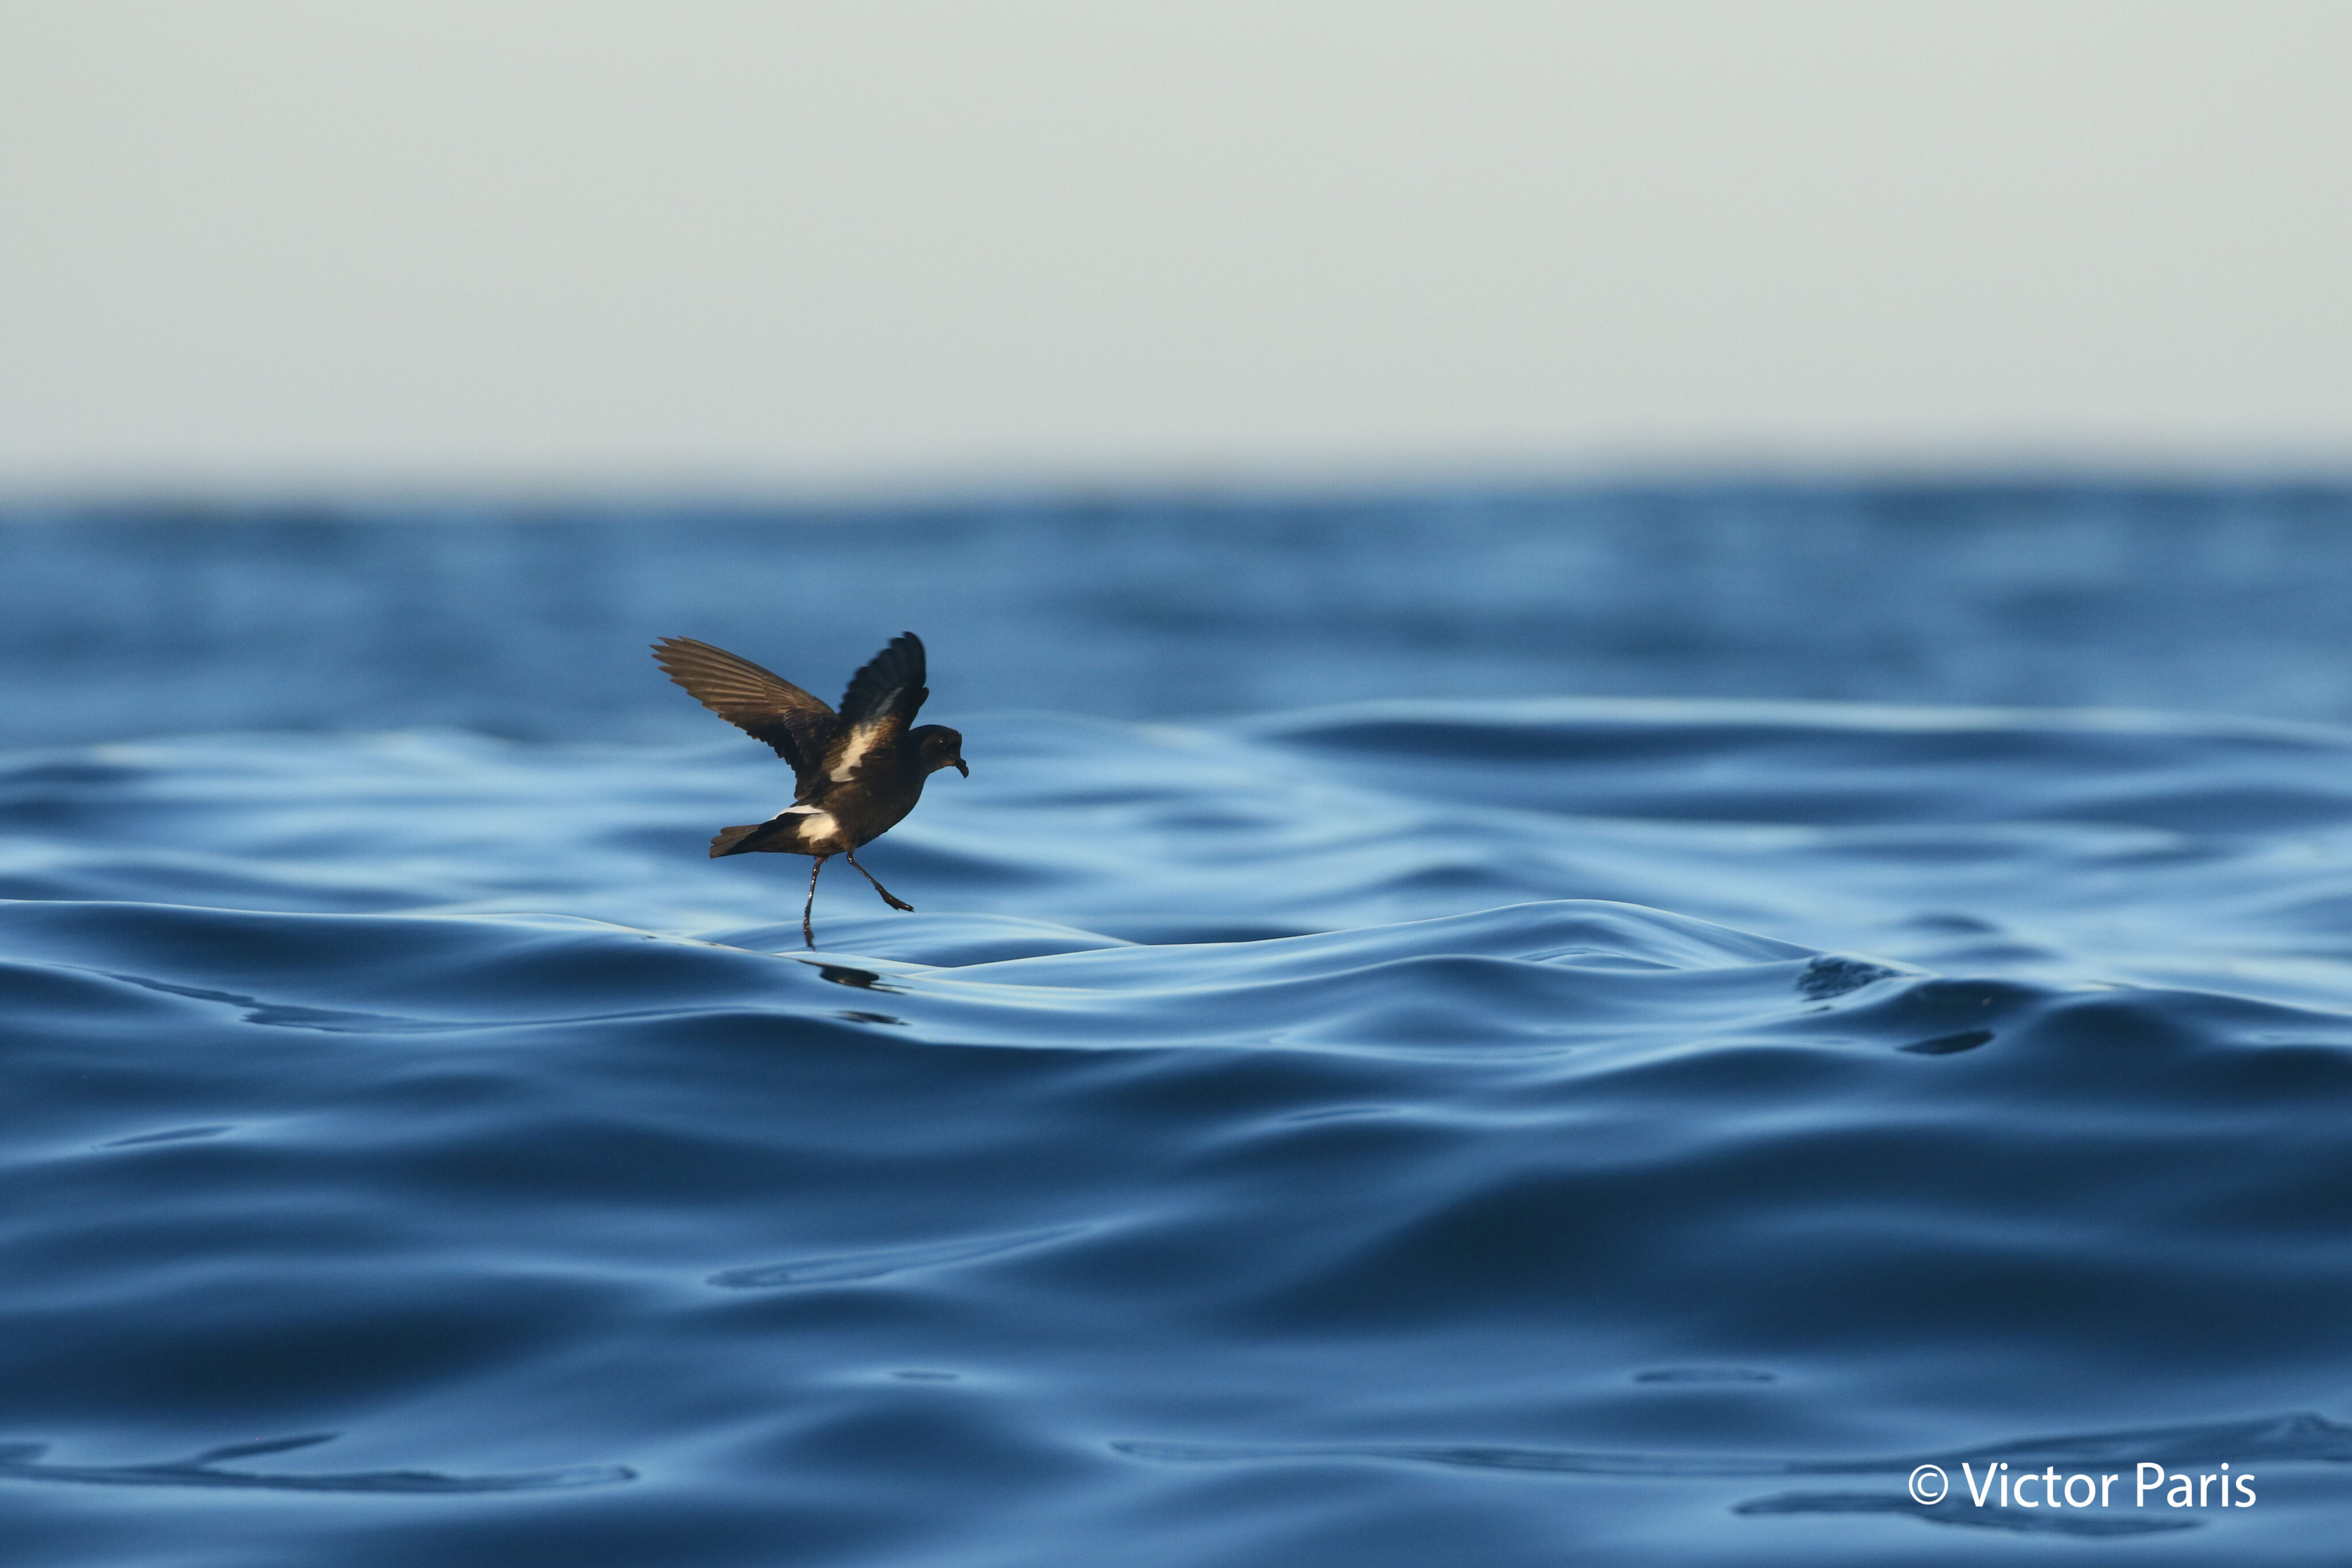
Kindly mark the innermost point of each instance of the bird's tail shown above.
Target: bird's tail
(730, 841)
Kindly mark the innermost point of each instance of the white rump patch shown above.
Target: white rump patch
(817, 825)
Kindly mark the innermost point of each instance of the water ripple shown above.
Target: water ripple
(1268, 1141)
(21, 1461)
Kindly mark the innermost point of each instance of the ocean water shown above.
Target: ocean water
(1350, 1095)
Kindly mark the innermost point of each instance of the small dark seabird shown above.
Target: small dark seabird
(860, 770)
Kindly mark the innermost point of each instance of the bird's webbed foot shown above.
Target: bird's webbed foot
(892, 899)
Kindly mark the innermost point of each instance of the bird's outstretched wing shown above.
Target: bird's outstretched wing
(882, 700)
(761, 703)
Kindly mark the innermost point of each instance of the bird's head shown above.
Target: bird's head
(939, 747)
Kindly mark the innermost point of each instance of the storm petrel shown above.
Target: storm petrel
(859, 770)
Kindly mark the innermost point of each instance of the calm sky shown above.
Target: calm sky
(583, 246)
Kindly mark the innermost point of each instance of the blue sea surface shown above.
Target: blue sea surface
(1358, 1090)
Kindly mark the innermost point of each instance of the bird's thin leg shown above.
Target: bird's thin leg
(888, 896)
(808, 931)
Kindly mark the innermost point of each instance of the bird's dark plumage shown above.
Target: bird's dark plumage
(858, 771)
